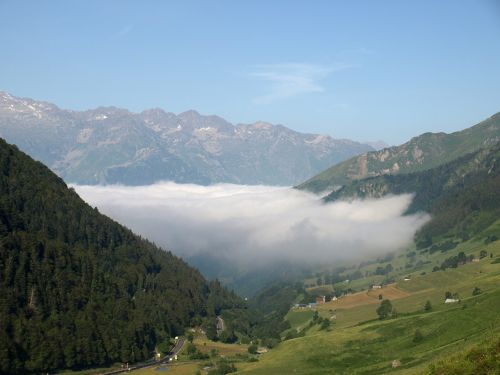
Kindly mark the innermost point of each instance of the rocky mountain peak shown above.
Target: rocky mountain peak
(114, 145)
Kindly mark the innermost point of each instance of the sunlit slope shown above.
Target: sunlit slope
(424, 152)
(353, 347)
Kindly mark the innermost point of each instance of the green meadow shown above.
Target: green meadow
(357, 342)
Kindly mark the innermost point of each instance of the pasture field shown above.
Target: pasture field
(359, 343)
(298, 318)
(204, 345)
(371, 347)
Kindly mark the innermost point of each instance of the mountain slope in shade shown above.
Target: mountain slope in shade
(462, 196)
(113, 145)
(424, 152)
(77, 288)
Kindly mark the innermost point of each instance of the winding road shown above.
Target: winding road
(173, 352)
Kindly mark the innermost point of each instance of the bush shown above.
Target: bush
(228, 337)
(325, 324)
(428, 306)
(476, 291)
(490, 239)
(454, 261)
(270, 342)
(223, 367)
(385, 309)
(315, 317)
(252, 349)
(194, 353)
(191, 348)
(245, 340)
(418, 337)
(292, 334)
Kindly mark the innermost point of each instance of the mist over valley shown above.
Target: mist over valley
(204, 187)
(253, 226)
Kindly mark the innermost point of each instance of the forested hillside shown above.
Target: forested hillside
(462, 196)
(77, 288)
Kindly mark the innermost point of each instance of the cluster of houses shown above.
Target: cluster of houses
(319, 301)
(311, 305)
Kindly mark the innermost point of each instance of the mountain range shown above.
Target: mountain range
(109, 145)
(79, 290)
(421, 153)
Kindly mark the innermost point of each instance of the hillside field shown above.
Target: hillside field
(359, 343)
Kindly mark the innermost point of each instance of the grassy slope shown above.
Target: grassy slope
(436, 149)
(299, 318)
(368, 348)
(481, 360)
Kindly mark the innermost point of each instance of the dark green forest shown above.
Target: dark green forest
(77, 288)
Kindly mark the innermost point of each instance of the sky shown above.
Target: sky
(256, 225)
(363, 70)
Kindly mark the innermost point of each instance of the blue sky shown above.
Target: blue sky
(362, 70)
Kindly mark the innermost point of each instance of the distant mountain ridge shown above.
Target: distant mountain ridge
(112, 145)
(421, 153)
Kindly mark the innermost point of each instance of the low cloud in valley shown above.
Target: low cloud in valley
(257, 224)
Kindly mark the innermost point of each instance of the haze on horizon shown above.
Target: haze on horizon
(400, 70)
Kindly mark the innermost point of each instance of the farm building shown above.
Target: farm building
(300, 305)
(320, 299)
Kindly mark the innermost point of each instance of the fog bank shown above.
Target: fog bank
(257, 224)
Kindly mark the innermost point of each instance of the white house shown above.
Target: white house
(451, 300)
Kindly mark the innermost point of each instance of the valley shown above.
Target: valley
(384, 313)
(214, 187)
(358, 342)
